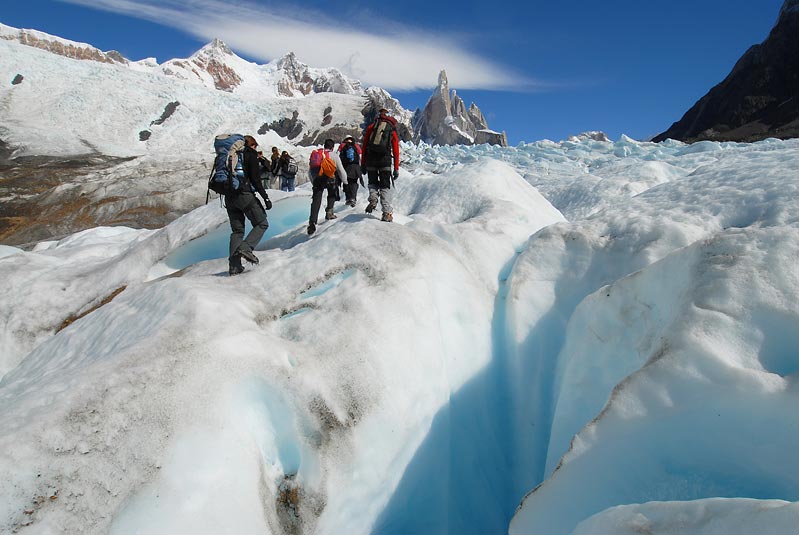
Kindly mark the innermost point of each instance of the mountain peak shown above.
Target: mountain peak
(289, 62)
(214, 48)
(445, 120)
(211, 63)
(442, 79)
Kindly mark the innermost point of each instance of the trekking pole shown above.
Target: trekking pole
(208, 193)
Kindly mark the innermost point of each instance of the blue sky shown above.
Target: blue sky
(536, 69)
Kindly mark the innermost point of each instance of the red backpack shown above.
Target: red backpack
(320, 159)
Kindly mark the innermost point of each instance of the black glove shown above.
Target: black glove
(363, 169)
(267, 203)
(396, 173)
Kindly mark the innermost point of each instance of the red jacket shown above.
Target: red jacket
(367, 136)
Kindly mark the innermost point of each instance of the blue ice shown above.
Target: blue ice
(285, 214)
(328, 285)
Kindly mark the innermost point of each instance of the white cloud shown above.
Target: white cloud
(405, 59)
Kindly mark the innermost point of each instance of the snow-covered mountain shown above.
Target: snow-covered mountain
(604, 330)
(89, 138)
(217, 67)
(101, 127)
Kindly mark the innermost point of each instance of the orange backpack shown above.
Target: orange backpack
(328, 167)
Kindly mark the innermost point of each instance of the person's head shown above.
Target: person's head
(329, 144)
(285, 154)
(275, 151)
(382, 112)
(349, 140)
(250, 142)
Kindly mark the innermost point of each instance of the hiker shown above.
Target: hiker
(265, 169)
(350, 154)
(325, 168)
(287, 169)
(243, 203)
(380, 145)
(274, 165)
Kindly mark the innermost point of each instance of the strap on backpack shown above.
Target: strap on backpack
(213, 172)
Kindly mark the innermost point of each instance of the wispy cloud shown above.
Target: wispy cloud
(404, 59)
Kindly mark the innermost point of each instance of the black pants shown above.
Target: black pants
(353, 175)
(239, 206)
(320, 184)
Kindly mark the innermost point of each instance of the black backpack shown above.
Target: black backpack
(380, 143)
(378, 150)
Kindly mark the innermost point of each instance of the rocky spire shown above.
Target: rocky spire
(446, 121)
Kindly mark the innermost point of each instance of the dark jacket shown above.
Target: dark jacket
(274, 167)
(354, 168)
(283, 165)
(252, 172)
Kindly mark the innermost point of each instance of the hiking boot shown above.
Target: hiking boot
(248, 256)
(370, 207)
(330, 215)
(387, 216)
(311, 229)
(235, 270)
(351, 202)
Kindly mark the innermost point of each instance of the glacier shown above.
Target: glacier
(563, 337)
(560, 337)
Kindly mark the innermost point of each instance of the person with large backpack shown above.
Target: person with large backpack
(350, 154)
(380, 154)
(237, 176)
(288, 171)
(324, 165)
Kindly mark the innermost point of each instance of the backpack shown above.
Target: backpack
(326, 165)
(291, 168)
(349, 155)
(316, 158)
(380, 142)
(228, 172)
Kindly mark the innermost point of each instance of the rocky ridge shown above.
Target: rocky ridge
(61, 47)
(758, 99)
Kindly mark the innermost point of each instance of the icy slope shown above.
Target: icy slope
(288, 398)
(663, 330)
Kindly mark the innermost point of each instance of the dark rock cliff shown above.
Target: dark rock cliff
(758, 99)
